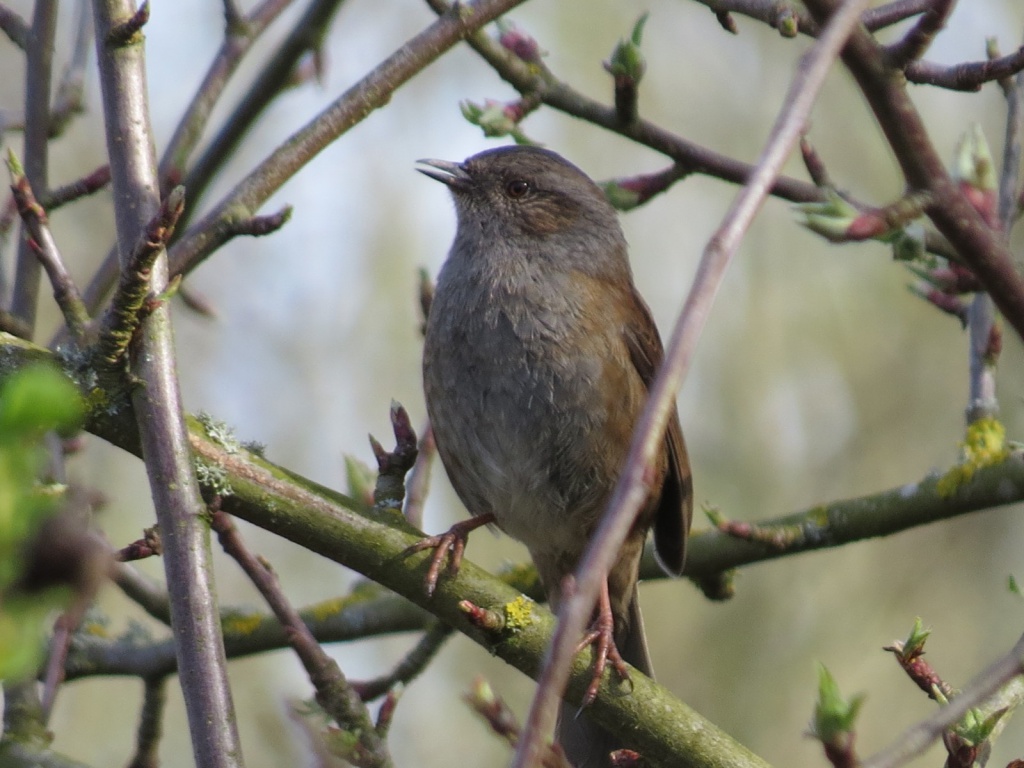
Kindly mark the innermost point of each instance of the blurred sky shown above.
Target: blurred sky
(819, 376)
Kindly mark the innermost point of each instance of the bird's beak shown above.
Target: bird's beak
(447, 172)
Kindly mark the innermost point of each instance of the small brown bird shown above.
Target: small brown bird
(538, 357)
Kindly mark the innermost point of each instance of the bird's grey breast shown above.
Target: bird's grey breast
(504, 336)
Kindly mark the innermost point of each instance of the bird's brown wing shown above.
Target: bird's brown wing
(675, 507)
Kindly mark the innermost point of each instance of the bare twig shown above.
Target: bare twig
(915, 42)
(502, 720)
(15, 27)
(969, 76)
(68, 193)
(36, 151)
(982, 401)
(631, 488)
(147, 736)
(157, 403)
(366, 747)
(39, 241)
(366, 612)
(392, 466)
(69, 100)
(790, 18)
(411, 665)
(143, 591)
(241, 32)
(272, 80)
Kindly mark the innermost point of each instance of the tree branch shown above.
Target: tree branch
(157, 403)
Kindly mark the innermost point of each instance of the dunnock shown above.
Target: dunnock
(539, 353)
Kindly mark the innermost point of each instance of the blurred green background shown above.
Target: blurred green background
(819, 376)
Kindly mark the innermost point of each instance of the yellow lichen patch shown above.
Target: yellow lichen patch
(984, 446)
(97, 399)
(327, 608)
(96, 629)
(242, 623)
(518, 613)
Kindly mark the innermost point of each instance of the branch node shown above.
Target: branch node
(124, 34)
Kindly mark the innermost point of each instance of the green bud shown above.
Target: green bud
(831, 219)
(786, 23)
(621, 198)
(908, 244)
(973, 161)
(627, 59)
(834, 716)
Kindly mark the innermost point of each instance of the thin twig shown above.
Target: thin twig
(982, 401)
(969, 76)
(241, 33)
(411, 665)
(74, 190)
(273, 79)
(913, 45)
(70, 100)
(147, 735)
(15, 27)
(791, 16)
(631, 489)
(39, 241)
(143, 591)
(333, 692)
(36, 150)
(368, 611)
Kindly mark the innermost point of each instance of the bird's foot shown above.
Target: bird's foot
(450, 544)
(601, 636)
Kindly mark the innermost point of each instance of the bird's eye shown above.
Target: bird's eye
(517, 188)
